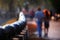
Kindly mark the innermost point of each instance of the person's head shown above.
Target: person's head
(39, 9)
(46, 11)
(24, 10)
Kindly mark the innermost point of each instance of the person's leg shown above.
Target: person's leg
(47, 30)
(46, 24)
(39, 28)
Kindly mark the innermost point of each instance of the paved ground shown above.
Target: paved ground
(54, 30)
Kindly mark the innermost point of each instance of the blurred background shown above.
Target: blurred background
(9, 9)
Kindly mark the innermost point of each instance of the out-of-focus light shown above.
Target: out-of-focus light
(58, 15)
(52, 18)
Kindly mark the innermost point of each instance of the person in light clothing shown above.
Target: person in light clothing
(22, 14)
(39, 16)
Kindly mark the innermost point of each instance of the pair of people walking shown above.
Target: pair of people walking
(39, 18)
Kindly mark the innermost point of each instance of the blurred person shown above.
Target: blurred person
(46, 22)
(51, 14)
(22, 15)
(39, 16)
(31, 13)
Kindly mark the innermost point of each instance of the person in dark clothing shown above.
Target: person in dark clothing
(31, 13)
(46, 22)
(51, 14)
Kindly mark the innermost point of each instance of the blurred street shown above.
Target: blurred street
(34, 19)
(54, 30)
